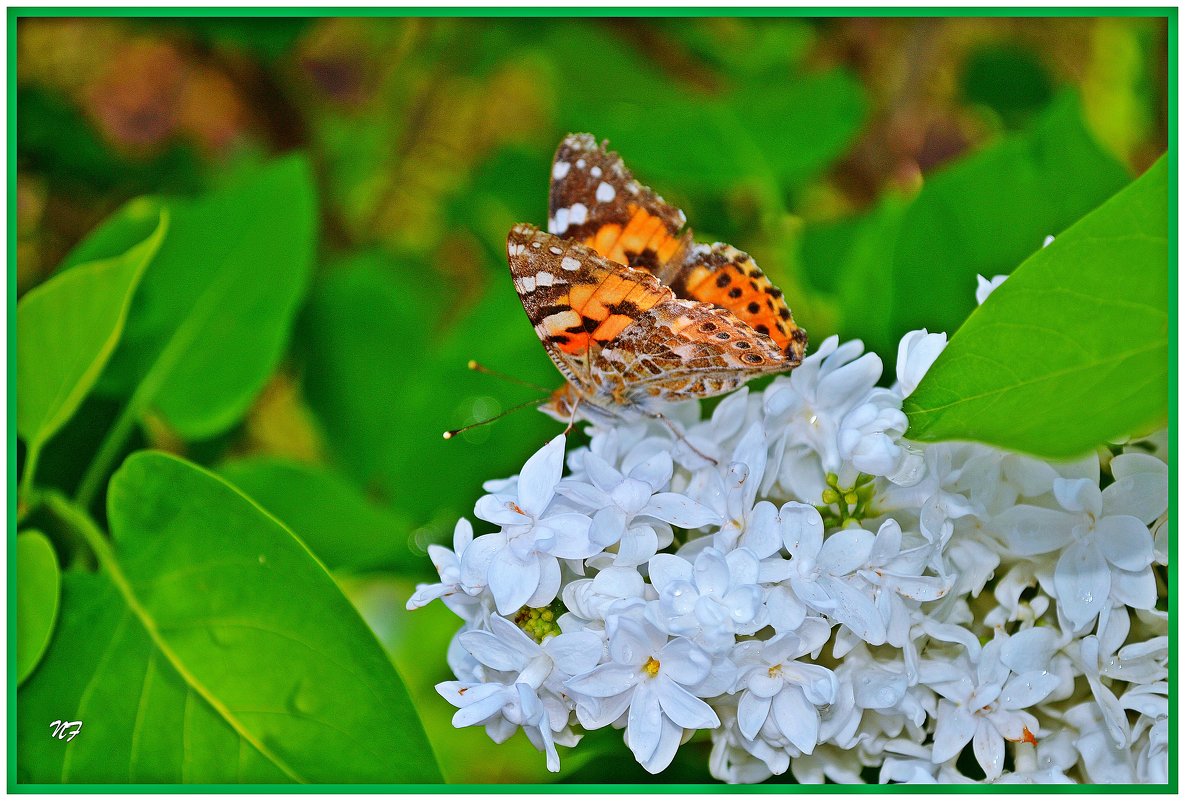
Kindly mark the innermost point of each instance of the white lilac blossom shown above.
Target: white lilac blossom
(796, 582)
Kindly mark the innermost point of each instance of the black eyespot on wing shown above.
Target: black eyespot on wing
(743, 345)
(735, 292)
(761, 329)
(752, 358)
(722, 335)
(754, 307)
(723, 280)
(707, 328)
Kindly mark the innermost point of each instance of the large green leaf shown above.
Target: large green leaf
(211, 319)
(67, 329)
(338, 523)
(384, 391)
(213, 647)
(1072, 350)
(38, 584)
(912, 263)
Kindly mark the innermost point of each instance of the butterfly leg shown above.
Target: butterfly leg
(679, 434)
(572, 419)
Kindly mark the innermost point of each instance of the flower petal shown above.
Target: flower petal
(956, 726)
(475, 563)
(549, 582)
(499, 509)
(752, 710)
(605, 681)
(797, 719)
(989, 751)
(668, 745)
(1083, 583)
(856, 611)
(568, 534)
(536, 482)
(680, 510)
(685, 662)
(512, 581)
(655, 471)
(845, 551)
(1124, 541)
(645, 721)
(802, 529)
(638, 545)
(711, 573)
(683, 708)
(574, 653)
(1141, 487)
(667, 567)
(1031, 530)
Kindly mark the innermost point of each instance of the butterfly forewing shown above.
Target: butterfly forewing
(595, 200)
(577, 300)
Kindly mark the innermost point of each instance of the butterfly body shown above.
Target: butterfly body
(632, 311)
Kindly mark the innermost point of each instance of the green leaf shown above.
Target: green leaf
(212, 318)
(1072, 350)
(67, 329)
(911, 263)
(38, 583)
(362, 344)
(212, 647)
(337, 522)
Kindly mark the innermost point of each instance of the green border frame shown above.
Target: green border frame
(1169, 13)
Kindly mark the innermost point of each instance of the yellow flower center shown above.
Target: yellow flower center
(775, 671)
(651, 667)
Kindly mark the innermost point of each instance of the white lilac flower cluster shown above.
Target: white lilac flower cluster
(818, 594)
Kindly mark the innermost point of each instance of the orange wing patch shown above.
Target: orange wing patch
(644, 241)
(576, 299)
(724, 276)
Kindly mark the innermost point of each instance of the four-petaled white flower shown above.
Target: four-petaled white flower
(651, 679)
(520, 563)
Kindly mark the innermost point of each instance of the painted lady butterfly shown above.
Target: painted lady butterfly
(632, 311)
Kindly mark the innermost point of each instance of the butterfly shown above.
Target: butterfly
(631, 309)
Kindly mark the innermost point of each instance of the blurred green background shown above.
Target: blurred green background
(871, 166)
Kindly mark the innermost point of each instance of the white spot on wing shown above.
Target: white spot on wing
(544, 278)
(525, 284)
(555, 251)
(515, 248)
(570, 263)
(605, 192)
(595, 172)
(577, 214)
(560, 224)
(580, 164)
(560, 169)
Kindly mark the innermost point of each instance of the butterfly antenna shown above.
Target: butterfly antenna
(454, 432)
(478, 367)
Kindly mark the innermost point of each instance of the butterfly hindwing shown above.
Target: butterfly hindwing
(722, 275)
(682, 348)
